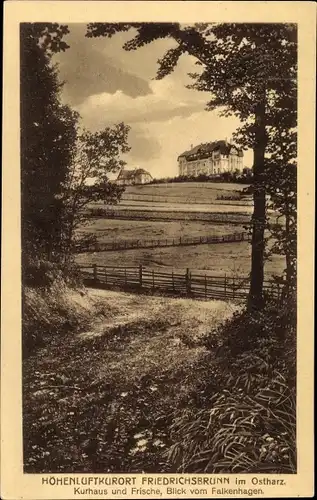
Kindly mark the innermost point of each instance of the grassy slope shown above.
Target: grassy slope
(231, 259)
(101, 399)
(182, 197)
(148, 206)
(203, 191)
(108, 230)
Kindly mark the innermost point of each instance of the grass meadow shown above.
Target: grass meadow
(232, 259)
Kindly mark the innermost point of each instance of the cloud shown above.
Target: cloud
(143, 145)
(88, 69)
(167, 99)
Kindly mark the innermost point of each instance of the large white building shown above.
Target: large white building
(211, 158)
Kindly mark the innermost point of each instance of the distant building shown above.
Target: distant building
(136, 176)
(211, 158)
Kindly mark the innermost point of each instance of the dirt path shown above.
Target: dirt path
(102, 399)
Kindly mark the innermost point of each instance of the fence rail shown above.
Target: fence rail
(155, 243)
(197, 286)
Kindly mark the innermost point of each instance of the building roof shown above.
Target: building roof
(139, 171)
(205, 150)
(131, 174)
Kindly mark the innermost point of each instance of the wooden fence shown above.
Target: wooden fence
(155, 243)
(189, 284)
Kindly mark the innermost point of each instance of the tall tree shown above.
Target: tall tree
(250, 71)
(48, 133)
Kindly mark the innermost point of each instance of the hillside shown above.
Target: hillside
(101, 399)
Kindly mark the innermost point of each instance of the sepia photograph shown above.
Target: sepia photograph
(159, 254)
(158, 168)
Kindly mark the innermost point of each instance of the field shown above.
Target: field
(185, 197)
(108, 230)
(185, 217)
(232, 259)
(170, 206)
(101, 400)
(203, 192)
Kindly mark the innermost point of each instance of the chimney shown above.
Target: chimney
(191, 146)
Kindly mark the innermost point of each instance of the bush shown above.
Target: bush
(239, 433)
(243, 418)
(45, 274)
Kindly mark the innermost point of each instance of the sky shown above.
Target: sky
(107, 85)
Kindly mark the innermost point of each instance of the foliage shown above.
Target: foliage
(44, 274)
(239, 433)
(244, 415)
(96, 155)
(250, 69)
(48, 132)
(281, 181)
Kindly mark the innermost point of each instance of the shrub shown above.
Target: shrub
(238, 433)
(243, 418)
(45, 274)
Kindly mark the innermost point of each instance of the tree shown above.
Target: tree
(250, 71)
(97, 154)
(281, 182)
(48, 134)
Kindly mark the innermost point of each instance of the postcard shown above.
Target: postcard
(157, 250)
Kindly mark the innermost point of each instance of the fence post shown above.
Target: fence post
(173, 281)
(140, 275)
(188, 284)
(153, 281)
(225, 286)
(125, 276)
(233, 287)
(205, 286)
(95, 273)
(106, 275)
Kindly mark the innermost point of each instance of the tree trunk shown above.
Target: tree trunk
(255, 300)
